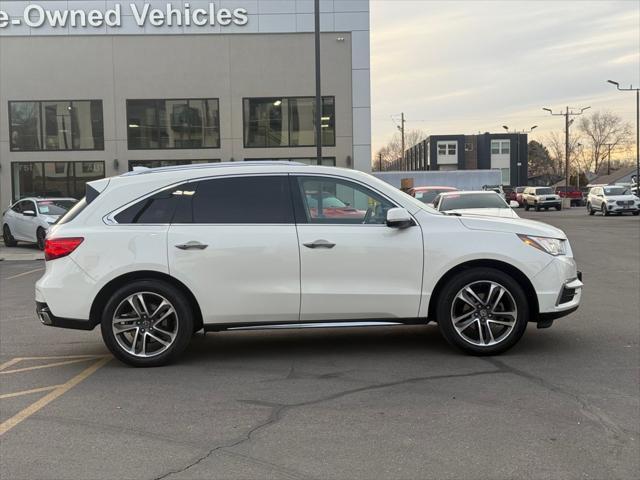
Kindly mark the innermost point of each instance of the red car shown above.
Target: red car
(332, 207)
(519, 191)
(428, 194)
(571, 192)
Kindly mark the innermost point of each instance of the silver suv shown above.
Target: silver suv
(612, 199)
(541, 197)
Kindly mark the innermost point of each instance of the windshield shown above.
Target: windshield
(429, 195)
(544, 191)
(55, 207)
(617, 191)
(471, 200)
(519, 189)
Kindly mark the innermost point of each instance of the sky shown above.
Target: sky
(473, 65)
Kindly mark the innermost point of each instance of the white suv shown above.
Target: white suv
(541, 197)
(612, 199)
(153, 256)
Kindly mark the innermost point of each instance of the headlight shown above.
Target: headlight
(552, 246)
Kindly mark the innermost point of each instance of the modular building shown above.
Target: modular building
(93, 88)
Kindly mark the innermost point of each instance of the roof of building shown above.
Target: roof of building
(614, 177)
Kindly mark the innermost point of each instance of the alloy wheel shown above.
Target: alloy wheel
(484, 313)
(145, 324)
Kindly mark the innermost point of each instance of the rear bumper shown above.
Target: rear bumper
(45, 316)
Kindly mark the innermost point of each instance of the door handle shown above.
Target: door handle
(320, 244)
(192, 245)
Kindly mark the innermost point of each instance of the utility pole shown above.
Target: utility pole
(318, 85)
(401, 128)
(568, 113)
(637, 90)
(379, 161)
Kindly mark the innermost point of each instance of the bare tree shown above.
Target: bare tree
(601, 129)
(392, 151)
(555, 143)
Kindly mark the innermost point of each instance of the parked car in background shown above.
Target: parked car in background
(429, 193)
(475, 203)
(499, 189)
(153, 256)
(570, 192)
(519, 192)
(29, 219)
(541, 197)
(612, 199)
(509, 193)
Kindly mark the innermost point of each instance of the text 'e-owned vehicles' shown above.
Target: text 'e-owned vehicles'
(154, 255)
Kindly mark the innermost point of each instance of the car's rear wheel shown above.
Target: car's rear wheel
(482, 311)
(7, 237)
(559, 207)
(40, 235)
(636, 213)
(526, 207)
(147, 323)
(537, 208)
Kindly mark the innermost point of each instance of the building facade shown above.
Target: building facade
(93, 88)
(507, 152)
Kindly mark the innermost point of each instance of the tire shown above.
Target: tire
(590, 210)
(537, 208)
(526, 207)
(40, 235)
(9, 241)
(604, 210)
(559, 207)
(468, 337)
(175, 330)
(546, 209)
(635, 214)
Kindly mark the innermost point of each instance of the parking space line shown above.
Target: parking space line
(51, 396)
(13, 361)
(24, 273)
(27, 392)
(48, 365)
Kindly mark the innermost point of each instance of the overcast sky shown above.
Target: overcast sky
(472, 66)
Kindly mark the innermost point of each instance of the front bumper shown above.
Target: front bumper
(559, 290)
(622, 209)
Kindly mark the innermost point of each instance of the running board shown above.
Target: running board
(313, 324)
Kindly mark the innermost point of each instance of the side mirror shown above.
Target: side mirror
(398, 218)
(29, 213)
(514, 204)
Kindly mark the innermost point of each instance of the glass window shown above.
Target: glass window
(156, 209)
(447, 148)
(259, 199)
(53, 179)
(500, 147)
(173, 124)
(56, 125)
(55, 207)
(506, 176)
(334, 201)
(287, 122)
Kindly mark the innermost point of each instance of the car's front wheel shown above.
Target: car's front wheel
(482, 311)
(9, 241)
(604, 210)
(590, 209)
(147, 323)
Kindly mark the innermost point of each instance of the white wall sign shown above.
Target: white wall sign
(36, 16)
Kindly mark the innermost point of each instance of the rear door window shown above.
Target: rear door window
(241, 200)
(157, 209)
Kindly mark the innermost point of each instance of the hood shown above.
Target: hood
(488, 212)
(512, 225)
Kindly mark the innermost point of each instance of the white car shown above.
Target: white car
(153, 255)
(475, 203)
(29, 219)
(612, 199)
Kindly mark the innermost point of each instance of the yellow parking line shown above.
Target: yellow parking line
(13, 361)
(48, 365)
(24, 273)
(27, 392)
(50, 397)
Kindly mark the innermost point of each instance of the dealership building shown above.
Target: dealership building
(93, 88)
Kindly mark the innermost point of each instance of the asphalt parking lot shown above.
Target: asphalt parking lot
(392, 403)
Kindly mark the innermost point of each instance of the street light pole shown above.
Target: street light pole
(568, 113)
(318, 85)
(518, 162)
(637, 90)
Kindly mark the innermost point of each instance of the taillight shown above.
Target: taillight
(60, 247)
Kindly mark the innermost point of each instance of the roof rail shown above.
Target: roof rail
(197, 166)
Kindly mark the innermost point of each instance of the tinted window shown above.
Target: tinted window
(156, 209)
(260, 199)
(55, 207)
(617, 191)
(328, 200)
(544, 191)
